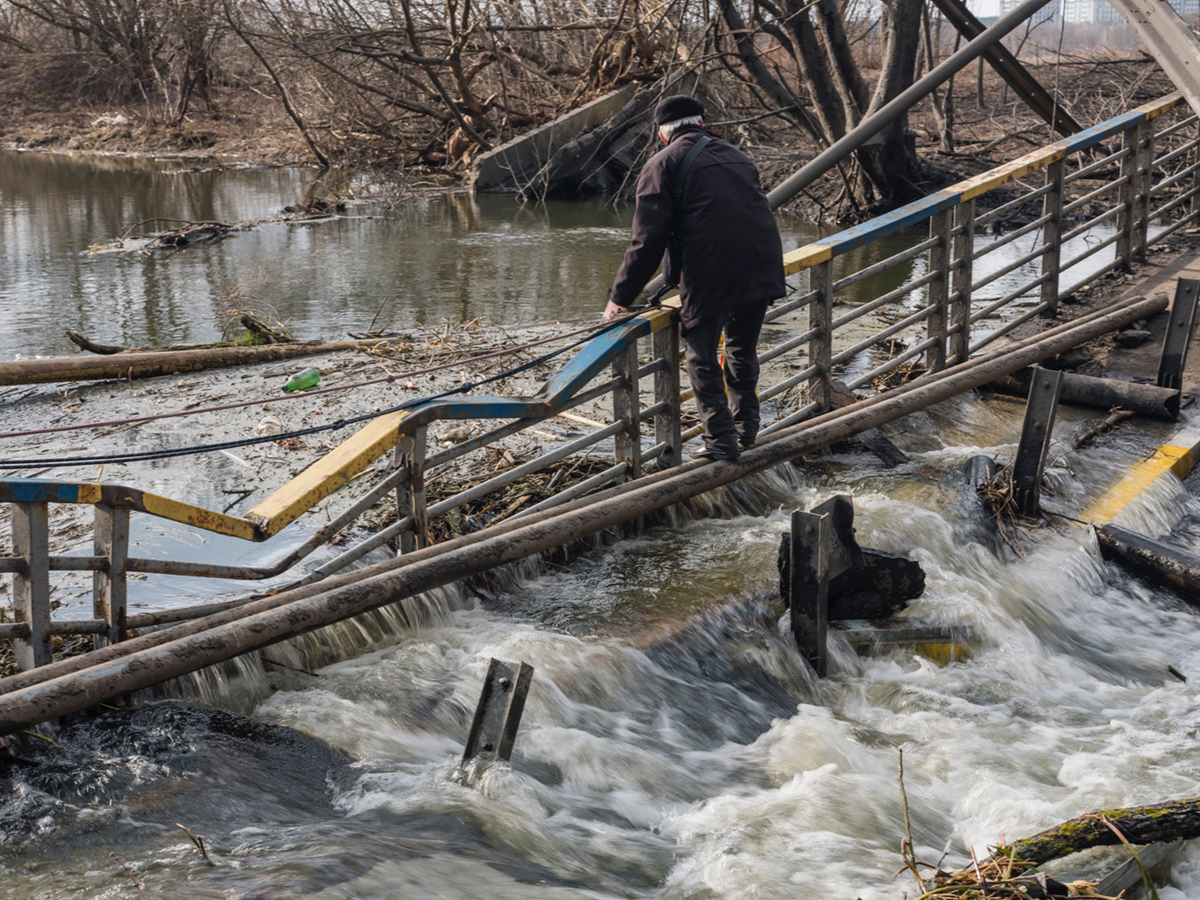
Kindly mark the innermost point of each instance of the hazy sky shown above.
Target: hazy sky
(984, 7)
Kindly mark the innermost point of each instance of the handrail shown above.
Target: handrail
(920, 210)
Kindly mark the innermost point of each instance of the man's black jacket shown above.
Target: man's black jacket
(731, 252)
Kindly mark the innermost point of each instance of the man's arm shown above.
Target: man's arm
(651, 231)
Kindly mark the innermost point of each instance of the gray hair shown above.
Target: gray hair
(666, 129)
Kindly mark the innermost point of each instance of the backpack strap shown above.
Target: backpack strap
(684, 168)
(673, 256)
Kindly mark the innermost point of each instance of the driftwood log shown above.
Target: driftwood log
(129, 364)
(251, 322)
(1170, 820)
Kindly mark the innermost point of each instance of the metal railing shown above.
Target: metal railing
(930, 313)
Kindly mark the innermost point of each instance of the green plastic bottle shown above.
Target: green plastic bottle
(303, 380)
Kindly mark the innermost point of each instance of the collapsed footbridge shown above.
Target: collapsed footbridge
(938, 317)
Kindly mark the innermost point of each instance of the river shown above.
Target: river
(428, 257)
(673, 748)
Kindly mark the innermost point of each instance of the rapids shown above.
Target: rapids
(673, 746)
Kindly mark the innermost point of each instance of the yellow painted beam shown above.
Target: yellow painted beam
(1177, 458)
(805, 257)
(124, 497)
(209, 520)
(327, 474)
(89, 493)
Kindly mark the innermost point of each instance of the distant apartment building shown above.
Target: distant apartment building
(1048, 13)
(1087, 11)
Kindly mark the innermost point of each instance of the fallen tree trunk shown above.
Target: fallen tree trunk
(1167, 821)
(145, 364)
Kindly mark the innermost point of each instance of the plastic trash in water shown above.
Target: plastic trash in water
(303, 380)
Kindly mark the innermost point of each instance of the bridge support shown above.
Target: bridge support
(1179, 334)
(498, 715)
(410, 496)
(1040, 412)
(1052, 209)
(627, 409)
(820, 322)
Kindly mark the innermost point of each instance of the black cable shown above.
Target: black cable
(147, 455)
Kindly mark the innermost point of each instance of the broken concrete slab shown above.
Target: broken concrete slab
(513, 165)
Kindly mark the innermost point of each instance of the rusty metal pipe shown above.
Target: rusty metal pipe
(899, 105)
(71, 685)
(1163, 564)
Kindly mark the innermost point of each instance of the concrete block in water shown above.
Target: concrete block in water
(511, 166)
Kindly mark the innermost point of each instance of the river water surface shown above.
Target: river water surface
(672, 746)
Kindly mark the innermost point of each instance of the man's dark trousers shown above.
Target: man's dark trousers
(727, 421)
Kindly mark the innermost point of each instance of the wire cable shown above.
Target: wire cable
(139, 420)
(303, 432)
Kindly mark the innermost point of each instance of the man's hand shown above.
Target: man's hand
(612, 311)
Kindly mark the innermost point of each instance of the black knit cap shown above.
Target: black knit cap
(676, 107)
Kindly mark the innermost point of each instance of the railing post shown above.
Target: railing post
(1195, 161)
(820, 320)
(111, 541)
(1144, 179)
(939, 290)
(1130, 141)
(1052, 206)
(410, 497)
(626, 409)
(962, 263)
(668, 427)
(31, 587)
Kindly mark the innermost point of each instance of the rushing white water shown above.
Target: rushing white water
(672, 746)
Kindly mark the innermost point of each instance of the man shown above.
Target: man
(725, 257)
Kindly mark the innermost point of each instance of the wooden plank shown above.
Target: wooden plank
(327, 474)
